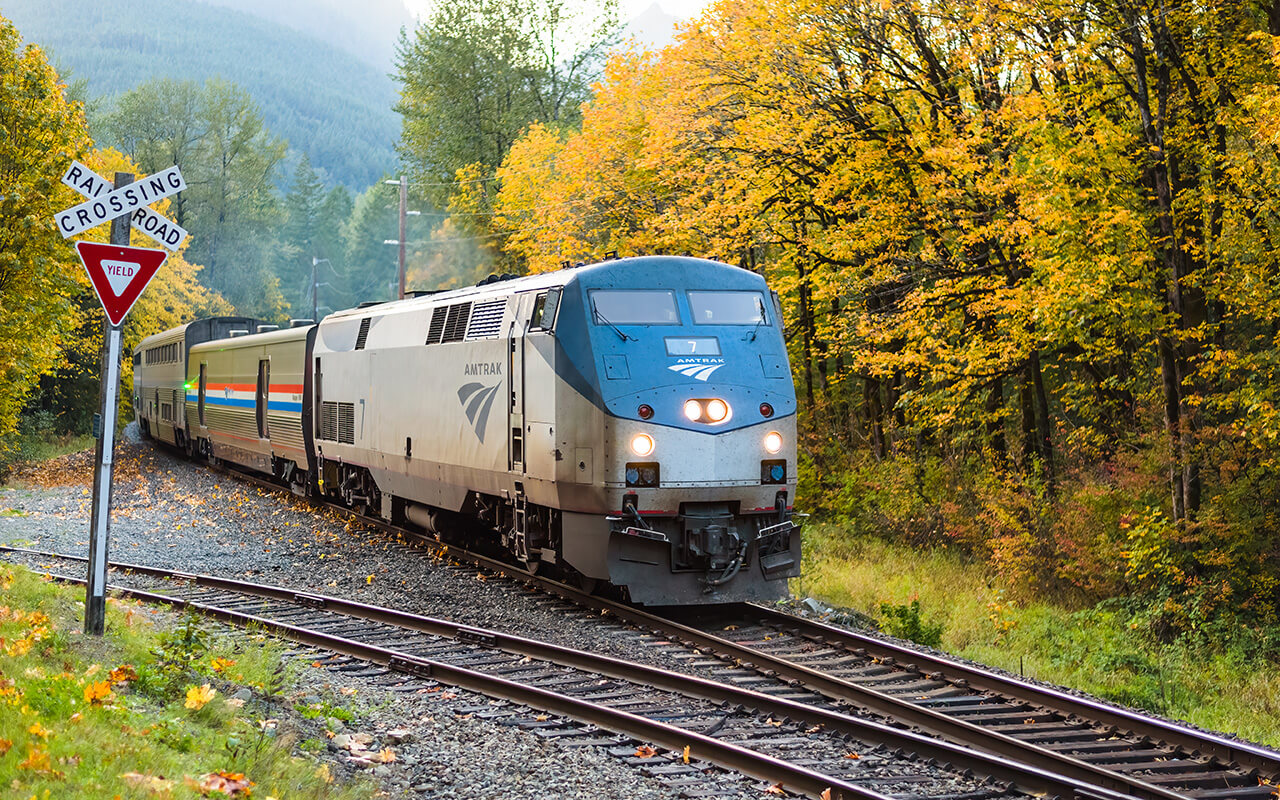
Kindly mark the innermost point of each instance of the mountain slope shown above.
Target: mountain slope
(366, 30)
(327, 103)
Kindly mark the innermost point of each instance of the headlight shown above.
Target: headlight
(717, 410)
(773, 441)
(692, 410)
(642, 444)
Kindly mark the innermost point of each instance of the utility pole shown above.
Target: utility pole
(315, 301)
(95, 599)
(404, 213)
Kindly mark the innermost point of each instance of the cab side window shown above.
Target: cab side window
(544, 310)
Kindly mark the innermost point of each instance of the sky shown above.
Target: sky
(627, 9)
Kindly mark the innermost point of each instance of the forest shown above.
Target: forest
(1026, 251)
(323, 101)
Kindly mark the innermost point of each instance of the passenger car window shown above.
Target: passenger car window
(634, 307)
(728, 308)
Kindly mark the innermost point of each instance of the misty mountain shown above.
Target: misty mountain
(652, 28)
(367, 29)
(324, 101)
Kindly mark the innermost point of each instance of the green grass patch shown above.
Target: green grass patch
(140, 712)
(941, 596)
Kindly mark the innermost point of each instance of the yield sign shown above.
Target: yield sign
(119, 274)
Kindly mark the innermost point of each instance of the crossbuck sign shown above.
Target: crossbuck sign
(104, 204)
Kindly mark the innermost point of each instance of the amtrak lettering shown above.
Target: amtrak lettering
(700, 368)
(483, 368)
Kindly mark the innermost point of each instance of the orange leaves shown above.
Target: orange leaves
(95, 694)
(5, 746)
(853, 756)
(37, 760)
(199, 696)
(645, 751)
(221, 664)
(122, 674)
(231, 784)
(775, 789)
(37, 729)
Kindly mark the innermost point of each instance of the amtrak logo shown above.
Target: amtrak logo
(477, 401)
(700, 368)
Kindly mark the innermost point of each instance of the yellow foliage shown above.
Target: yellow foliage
(199, 696)
(97, 693)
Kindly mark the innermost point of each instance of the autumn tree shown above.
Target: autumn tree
(475, 73)
(40, 275)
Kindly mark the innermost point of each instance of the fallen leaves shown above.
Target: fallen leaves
(37, 729)
(95, 694)
(854, 756)
(232, 784)
(122, 674)
(199, 696)
(37, 760)
(645, 751)
(221, 664)
(5, 746)
(685, 756)
(775, 789)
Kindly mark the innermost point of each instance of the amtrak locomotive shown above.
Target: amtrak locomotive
(630, 422)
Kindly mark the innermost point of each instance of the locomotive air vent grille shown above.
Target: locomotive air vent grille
(486, 320)
(438, 315)
(455, 327)
(363, 335)
(329, 421)
(347, 423)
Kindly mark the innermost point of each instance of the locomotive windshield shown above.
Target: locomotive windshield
(728, 308)
(634, 307)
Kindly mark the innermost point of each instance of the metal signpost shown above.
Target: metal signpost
(119, 273)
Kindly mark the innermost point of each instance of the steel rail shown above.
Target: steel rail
(748, 762)
(930, 721)
(1023, 776)
(1247, 754)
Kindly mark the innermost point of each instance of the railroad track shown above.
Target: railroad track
(773, 730)
(1085, 741)
(1197, 763)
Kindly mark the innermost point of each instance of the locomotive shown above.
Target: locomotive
(630, 422)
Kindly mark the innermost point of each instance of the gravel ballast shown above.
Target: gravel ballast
(170, 513)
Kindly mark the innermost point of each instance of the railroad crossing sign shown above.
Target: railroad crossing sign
(94, 186)
(135, 197)
(119, 274)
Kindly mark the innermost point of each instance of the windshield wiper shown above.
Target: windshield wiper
(616, 329)
(751, 337)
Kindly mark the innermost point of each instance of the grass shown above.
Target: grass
(1098, 650)
(143, 711)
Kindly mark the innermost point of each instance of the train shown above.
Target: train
(629, 424)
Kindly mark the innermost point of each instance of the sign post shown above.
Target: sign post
(119, 273)
(95, 600)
